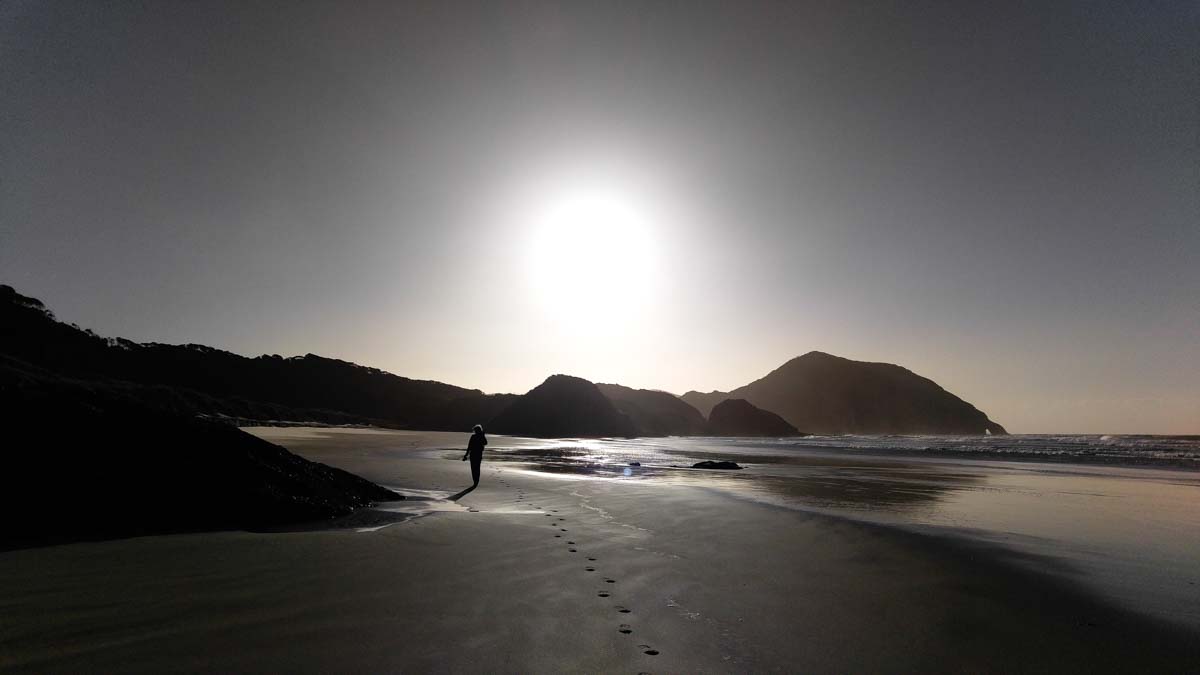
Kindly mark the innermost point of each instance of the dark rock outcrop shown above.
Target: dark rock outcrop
(738, 417)
(562, 406)
(98, 458)
(709, 464)
(655, 413)
(826, 394)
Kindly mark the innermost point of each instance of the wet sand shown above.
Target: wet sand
(530, 573)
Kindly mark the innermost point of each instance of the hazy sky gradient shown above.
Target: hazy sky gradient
(1004, 197)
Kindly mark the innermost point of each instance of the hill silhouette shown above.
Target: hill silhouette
(563, 406)
(816, 392)
(215, 382)
(476, 408)
(655, 413)
(199, 380)
(739, 417)
(826, 394)
(704, 402)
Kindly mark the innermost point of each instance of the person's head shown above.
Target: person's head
(478, 428)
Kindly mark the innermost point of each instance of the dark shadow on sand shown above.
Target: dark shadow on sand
(366, 517)
(455, 498)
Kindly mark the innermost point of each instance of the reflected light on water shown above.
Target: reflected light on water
(1131, 532)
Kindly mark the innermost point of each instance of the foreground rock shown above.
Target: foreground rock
(91, 459)
(709, 464)
(562, 406)
(825, 394)
(738, 417)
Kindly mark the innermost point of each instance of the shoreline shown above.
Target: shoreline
(712, 583)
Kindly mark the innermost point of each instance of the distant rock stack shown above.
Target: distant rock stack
(739, 417)
(563, 406)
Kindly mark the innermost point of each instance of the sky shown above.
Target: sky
(1003, 197)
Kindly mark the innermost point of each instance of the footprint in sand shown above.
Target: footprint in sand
(557, 536)
(647, 650)
(625, 628)
(570, 542)
(623, 610)
(603, 594)
(610, 581)
(590, 569)
(562, 529)
(592, 559)
(572, 550)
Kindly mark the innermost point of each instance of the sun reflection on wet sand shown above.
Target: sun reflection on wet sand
(1130, 532)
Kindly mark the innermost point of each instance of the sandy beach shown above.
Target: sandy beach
(599, 337)
(541, 573)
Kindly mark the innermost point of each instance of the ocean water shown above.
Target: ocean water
(1119, 514)
(1114, 450)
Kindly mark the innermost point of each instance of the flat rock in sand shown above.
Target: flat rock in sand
(709, 464)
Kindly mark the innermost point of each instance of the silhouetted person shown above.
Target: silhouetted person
(475, 451)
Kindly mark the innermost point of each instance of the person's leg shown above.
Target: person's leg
(475, 469)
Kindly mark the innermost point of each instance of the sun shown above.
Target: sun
(592, 251)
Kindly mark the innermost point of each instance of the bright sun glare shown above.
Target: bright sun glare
(592, 251)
